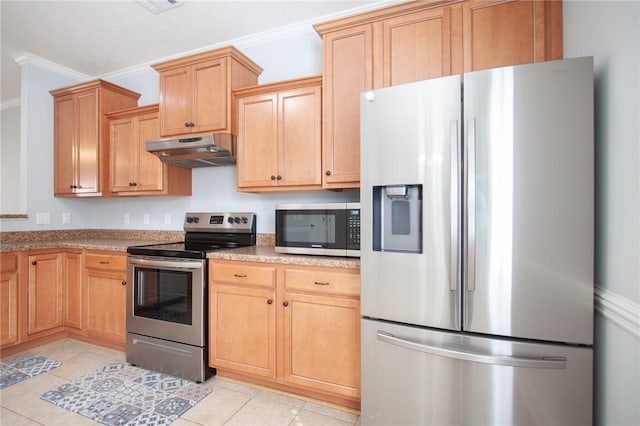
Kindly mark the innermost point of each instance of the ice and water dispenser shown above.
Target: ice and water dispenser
(397, 218)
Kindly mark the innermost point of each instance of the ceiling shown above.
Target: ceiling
(99, 37)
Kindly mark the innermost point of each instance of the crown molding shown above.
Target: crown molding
(23, 58)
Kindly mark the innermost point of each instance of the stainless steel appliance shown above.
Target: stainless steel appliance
(167, 310)
(477, 285)
(329, 229)
(204, 150)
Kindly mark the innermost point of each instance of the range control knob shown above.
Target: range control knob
(189, 219)
(230, 219)
(245, 220)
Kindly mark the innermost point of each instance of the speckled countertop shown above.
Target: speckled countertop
(119, 240)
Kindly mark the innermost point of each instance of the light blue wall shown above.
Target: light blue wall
(213, 187)
(610, 32)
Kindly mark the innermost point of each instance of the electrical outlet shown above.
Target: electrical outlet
(127, 218)
(145, 220)
(43, 218)
(66, 217)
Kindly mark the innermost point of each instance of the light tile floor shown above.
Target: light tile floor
(229, 403)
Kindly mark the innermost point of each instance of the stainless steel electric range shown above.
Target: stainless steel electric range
(167, 309)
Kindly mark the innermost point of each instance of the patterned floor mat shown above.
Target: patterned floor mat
(119, 394)
(23, 366)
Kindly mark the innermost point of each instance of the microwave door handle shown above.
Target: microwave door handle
(157, 263)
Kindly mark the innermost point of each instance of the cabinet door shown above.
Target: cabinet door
(124, 154)
(257, 141)
(299, 137)
(417, 46)
(510, 32)
(175, 101)
(330, 360)
(45, 292)
(348, 71)
(106, 303)
(209, 80)
(72, 313)
(150, 170)
(87, 141)
(242, 328)
(64, 145)
(8, 300)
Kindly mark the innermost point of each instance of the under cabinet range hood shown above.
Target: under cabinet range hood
(203, 150)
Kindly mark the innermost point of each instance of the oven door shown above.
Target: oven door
(166, 298)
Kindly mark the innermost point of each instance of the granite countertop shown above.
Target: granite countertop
(118, 241)
(267, 253)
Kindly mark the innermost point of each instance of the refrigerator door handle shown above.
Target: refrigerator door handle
(545, 362)
(453, 204)
(471, 205)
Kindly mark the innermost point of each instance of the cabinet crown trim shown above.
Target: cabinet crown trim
(94, 84)
(223, 52)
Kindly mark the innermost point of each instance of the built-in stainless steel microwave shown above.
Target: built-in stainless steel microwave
(331, 229)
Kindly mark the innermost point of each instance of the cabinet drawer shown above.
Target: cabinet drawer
(106, 262)
(236, 273)
(322, 281)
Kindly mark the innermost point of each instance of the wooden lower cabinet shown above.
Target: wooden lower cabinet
(72, 290)
(45, 289)
(296, 328)
(105, 285)
(9, 299)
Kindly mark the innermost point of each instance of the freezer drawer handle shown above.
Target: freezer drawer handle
(548, 362)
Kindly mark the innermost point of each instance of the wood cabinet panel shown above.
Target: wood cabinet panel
(242, 332)
(45, 289)
(72, 290)
(134, 170)
(104, 283)
(195, 91)
(8, 299)
(510, 32)
(279, 136)
(81, 138)
(347, 71)
(417, 46)
(329, 361)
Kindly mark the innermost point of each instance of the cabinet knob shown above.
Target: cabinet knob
(133, 184)
(273, 177)
(285, 304)
(189, 124)
(279, 177)
(123, 283)
(269, 302)
(33, 262)
(328, 173)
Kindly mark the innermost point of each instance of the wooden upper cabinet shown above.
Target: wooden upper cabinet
(81, 135)
(195, 91)
(418, 40)
(347, 71)
(279, 136)
(420, 45)
(135, 171)
(511, 32)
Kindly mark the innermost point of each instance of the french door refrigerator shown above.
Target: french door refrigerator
(477, 241)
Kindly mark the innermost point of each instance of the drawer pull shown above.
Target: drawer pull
(321, 283)
(240, 275)
(104, 262)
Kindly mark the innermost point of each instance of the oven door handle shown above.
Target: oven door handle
(176, 264)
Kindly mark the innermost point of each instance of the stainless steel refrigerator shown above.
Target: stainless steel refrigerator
(477, 248)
